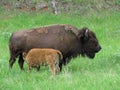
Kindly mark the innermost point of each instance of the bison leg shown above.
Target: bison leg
(60, 66)
(21, 62)
(11, 61)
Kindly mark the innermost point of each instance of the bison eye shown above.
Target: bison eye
(94, 42)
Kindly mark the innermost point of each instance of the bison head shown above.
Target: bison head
(89, 42)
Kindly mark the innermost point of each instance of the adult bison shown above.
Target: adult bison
(66, 38)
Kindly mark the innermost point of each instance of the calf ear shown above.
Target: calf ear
(83, 34)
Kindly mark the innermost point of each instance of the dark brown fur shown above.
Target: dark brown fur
(37, 57)
(65, 38)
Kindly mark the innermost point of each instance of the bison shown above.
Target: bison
(37, 57)
(63, 37)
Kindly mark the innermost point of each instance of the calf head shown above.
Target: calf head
(89, 43)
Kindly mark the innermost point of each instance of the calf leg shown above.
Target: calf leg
(57, 69)
(52, 67)
(29, 68)
(21, 62)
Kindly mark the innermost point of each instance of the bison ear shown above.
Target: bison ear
(83, 34)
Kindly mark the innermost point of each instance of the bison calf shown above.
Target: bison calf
(37, 57)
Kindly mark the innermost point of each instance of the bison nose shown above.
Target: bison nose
(98, 48)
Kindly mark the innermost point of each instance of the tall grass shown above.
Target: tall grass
(101, 73)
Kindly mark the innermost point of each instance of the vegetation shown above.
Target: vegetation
(101, 73)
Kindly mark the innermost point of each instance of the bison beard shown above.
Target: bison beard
(65, 38)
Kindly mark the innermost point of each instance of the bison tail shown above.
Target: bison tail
(12, 48)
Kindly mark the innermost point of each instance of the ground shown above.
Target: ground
(101, 73)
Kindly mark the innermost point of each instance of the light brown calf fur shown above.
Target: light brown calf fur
(37, 57)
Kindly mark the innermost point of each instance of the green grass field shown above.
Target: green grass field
(101, 73)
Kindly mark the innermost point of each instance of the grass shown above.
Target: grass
(101, 73)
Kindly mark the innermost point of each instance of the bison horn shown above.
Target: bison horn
(86, 33)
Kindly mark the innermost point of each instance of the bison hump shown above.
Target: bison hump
(72, 29)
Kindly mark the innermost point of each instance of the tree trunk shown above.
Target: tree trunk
(54, 4)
